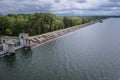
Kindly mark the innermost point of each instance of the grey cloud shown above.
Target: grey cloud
(23, 6)
(114, 0)
(80, 1)
(31, 6)
(57, 1)
(112, 4)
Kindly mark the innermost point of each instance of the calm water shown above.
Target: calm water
(91, 53)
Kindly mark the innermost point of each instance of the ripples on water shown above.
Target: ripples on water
(91, 53)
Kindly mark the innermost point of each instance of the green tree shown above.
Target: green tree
(8, 31)
(38, 23)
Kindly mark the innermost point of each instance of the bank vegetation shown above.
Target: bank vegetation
(39, 23)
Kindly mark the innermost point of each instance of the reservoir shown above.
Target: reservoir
(90, 53)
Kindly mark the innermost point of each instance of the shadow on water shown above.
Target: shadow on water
(27, 53)
(12, 60)
(9, 60)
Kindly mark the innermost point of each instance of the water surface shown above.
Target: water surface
(91, 53)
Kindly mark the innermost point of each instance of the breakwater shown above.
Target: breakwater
(44, 38)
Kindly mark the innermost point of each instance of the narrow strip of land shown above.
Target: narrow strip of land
(44, 38)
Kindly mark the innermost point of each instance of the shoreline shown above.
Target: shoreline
(39, 40)
(36, 41)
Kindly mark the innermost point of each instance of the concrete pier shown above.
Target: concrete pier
(11, 48)
(9, 45)
(24, 40)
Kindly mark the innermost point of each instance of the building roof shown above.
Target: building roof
(24, 34)
(6, 37)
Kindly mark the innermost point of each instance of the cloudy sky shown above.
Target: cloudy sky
(62, 7)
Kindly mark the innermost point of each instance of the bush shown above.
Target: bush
(8, 32)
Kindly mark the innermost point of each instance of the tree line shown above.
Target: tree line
(38, 23)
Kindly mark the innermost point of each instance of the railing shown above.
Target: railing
(16, 42)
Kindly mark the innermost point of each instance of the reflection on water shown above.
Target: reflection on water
(9, 60)
(91, 53)
(27, 53)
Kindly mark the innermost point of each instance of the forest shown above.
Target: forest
(39, 23)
